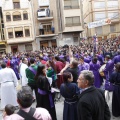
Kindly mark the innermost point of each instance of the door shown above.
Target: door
(43, 44)
(14, 49)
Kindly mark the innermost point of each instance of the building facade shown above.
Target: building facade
(70, 17)
(32, 24)
(94, 10)
(18, 25)
(2, 36)
(59, 23)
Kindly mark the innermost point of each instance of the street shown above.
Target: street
(59, 110)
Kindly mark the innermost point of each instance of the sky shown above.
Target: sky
(0, 2)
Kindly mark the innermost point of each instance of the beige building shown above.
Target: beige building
(59, 23)
(18, 23)
(94, 10)
(32, 24)
(2, 38)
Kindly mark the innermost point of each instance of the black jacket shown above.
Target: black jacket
(92, 105)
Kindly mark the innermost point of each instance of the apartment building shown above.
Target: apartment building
(70, 17)
(18, 25)
(58, 22)
(45, 18)
(2, 38)
(94, 10)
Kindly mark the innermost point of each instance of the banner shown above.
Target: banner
(99, 23)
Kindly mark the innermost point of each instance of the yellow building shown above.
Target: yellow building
(18, 23)
(95, 10)
(2, 38)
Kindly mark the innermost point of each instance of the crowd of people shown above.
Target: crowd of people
(75, 70)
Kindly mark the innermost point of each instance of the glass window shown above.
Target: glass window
(10, 35)
(113, 15)
(99, 16)
(71, 4)
(99, 5)
(98, 30)
(112, 28)
(16, 5)
(25, 16)
(27, 33)
(112, 3)
(8, 18)
(72, 21)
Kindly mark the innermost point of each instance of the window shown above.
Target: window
(99, 5)
(99, 16)
(16, 5)
(8, 17)
(28, 47)
(27, 32)
(18, 32)
(72, 21)
(112, 3)
(10, 35)
(16, 16)
(71, 4)
(25, 16)
(75, 39)
(98, 30)
(113, 15)
(112, 28)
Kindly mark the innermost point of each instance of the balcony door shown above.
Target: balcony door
(47, 29)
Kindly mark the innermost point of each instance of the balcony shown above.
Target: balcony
(20, 40)
(73, 28)
(46, 33)
(44, 14)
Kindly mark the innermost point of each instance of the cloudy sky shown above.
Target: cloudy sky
(0, 2)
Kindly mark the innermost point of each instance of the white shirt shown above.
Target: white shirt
(8, 75)
(24, 79)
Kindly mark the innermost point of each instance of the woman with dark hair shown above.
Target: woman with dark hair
(51, 72)
(70, 92)
(45, 97)
(95, 66)
(115, 79)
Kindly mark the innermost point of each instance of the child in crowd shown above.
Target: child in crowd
(9, 110)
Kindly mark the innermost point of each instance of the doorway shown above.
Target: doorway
(14, 49)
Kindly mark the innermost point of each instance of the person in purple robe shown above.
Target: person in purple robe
(116, 59)
(108, 71)
(61, 56)
(87, 58)
(101, 59)
(109, 67)
(83, 65)
(14, 65)
(95, 66)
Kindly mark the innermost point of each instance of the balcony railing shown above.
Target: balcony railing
(73, 24)
(46, 32)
